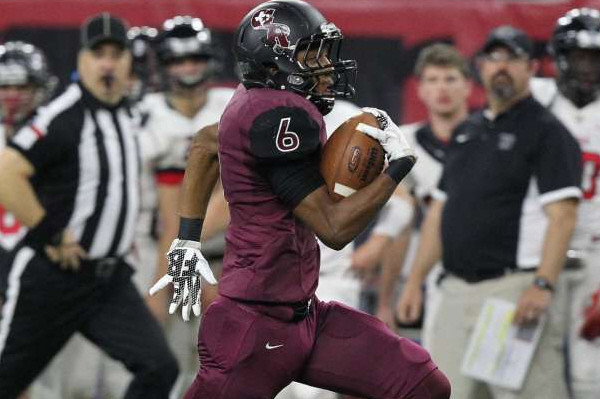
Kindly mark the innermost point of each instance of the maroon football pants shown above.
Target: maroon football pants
(249, 352)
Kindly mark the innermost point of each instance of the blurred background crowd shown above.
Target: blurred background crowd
(429, 64)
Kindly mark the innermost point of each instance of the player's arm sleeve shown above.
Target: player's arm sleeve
(286, 145)
(170, 166)
(558, 165)
(45, 145)
(395, 216)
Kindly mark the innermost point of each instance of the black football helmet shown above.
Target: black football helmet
(23, 65)
(281, 45)
(578, 76)
(186, 37)
(143, 60)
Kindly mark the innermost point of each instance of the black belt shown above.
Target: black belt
(300, 309)
(487, 275)
(574, 260)
(102, 268)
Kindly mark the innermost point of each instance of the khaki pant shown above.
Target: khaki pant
(584, 355)
(449, 328)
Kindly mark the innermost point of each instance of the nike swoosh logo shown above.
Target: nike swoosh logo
(269, 346)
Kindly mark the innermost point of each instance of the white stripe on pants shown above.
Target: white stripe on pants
(22, 259)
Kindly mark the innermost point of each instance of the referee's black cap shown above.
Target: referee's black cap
(508, 36)
(104, 28)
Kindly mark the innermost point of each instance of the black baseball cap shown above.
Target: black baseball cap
(508, 36)
(103, 28)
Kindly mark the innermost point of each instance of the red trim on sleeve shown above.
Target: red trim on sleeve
(37, 131)
(170, 178)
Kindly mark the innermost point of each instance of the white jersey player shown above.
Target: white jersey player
(164, 143)
(25, 82)
(187, 59)
(573, 99)
(444, 88)
(430, 150)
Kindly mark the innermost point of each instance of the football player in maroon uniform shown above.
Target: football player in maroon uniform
(266, 328)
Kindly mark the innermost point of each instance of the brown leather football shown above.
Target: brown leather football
(351, 159)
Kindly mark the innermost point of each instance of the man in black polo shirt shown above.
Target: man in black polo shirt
(497, 158)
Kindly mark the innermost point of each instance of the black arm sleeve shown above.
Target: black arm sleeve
(293, 181)
(46, 145)
(558, 168)
(286, 145)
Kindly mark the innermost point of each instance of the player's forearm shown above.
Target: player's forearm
(164, 242)
(561, 223)
(429, 250)
(201, 175)
(391, 266)
(217, 215)
(16, 193)
(348, 217)
(168, 197)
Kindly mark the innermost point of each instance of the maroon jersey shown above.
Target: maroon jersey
(268, 140)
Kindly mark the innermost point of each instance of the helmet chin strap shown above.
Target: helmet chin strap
(323, 104)
(188, 82)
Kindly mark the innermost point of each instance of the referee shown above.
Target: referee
(71, 176)
(513, 155)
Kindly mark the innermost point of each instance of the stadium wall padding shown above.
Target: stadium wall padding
(385, 36)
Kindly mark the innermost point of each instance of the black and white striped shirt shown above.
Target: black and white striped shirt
(86, 161)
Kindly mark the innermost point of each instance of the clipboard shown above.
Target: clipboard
(500, 353)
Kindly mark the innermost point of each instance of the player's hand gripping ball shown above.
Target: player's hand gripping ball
(351, 159)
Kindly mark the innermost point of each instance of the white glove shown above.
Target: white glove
(186, 268)
(389, 136)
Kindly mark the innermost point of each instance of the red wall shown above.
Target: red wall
(412, 22)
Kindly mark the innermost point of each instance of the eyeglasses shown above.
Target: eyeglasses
(503, 56)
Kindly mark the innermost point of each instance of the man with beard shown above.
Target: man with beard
(496, 159)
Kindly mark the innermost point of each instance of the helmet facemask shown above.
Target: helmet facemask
(186, 38)
(20, 93)
(317, 64)
(293, 51)
(17, 103)
(205, 69)
(575, 47)
(579, 75)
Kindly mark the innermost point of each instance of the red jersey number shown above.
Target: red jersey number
(591, 168)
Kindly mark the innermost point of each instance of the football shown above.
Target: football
(351, 159)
